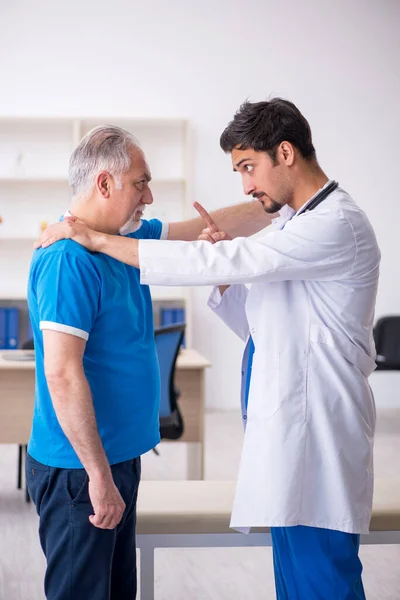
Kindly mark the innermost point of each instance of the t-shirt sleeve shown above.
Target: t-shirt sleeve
(67, 290)
(152, 230)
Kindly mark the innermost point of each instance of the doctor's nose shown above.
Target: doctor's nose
(248, 186)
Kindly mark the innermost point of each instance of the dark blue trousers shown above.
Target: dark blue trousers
(316, 564)
(83, 561)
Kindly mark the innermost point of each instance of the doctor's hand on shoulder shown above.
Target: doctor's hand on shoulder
(69, 228)
(211, 233)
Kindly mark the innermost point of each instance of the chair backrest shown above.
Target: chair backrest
(387, 342)
(168, 342)
(28, 345)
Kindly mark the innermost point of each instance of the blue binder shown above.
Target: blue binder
(167, 316)
(170, 316)
(12, 328)
(179, 315)
(30, 331)
(3, 333)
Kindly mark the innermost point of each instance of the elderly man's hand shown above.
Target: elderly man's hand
(211, 233)
(108, 505)
(69, 228)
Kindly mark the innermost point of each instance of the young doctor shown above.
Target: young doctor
(307, 462)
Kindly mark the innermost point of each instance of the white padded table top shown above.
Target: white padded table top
(176, 507)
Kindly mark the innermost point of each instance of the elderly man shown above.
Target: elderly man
(97, 391)
(307, 462)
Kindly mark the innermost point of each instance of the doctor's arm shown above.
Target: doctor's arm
(314, 246)
(241, 220)
(229, 306)
(228, 302)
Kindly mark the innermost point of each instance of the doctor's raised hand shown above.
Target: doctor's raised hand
(211, 233)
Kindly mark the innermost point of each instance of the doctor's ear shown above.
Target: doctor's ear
(286, 153)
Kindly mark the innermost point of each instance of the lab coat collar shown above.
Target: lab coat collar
(286, 213)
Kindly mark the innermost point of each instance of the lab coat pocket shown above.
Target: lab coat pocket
(264, 397)
(354, 354)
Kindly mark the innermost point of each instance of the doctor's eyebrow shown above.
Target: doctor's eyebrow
(240, 163)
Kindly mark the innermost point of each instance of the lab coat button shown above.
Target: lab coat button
(244, 417)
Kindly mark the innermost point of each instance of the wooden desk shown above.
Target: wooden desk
(17, 387)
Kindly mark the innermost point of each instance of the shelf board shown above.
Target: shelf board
(162, 294)
(50, 180)
(41, 180)
(144, 120)
(39, 120)
(160, 299)
(169, 299)
(19, 238)
(12, 297)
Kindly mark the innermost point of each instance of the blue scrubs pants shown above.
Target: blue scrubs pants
(316, 564)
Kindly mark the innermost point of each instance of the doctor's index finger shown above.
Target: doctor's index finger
(204, 215)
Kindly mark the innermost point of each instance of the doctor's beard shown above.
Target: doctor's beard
(270, 206)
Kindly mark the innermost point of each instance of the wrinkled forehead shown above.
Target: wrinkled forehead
(139, 165)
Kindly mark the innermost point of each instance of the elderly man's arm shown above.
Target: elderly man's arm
(73, 405)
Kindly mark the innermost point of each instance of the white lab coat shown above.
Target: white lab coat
(307, 453)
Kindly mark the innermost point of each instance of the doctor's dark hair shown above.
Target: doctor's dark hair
(262, 126)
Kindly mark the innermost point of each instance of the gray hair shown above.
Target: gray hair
(104, 148)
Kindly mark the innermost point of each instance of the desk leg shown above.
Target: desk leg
(201, 425)
(19, 474)
(195, 460)
(146, 570)
(191, 382)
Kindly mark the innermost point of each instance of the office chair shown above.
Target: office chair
(23, 449)
(28, 345)
(168, 342)
(387, 343)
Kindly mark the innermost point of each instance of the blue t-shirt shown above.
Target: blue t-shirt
(100, 299)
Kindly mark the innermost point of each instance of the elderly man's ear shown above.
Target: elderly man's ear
(103, 184)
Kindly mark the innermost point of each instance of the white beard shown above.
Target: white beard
(131, 226)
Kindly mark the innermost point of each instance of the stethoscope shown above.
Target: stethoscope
(324, 193)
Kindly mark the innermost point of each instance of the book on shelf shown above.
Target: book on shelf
(9, 328)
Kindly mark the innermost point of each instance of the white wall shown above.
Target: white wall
(339, 61)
